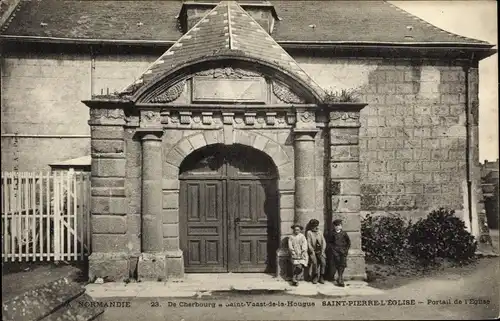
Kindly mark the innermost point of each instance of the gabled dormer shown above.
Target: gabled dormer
(193, 10)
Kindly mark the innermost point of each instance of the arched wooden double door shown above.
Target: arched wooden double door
(229, 219)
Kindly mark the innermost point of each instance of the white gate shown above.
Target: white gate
(45, 216)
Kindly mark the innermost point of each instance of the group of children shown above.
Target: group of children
(311, 251)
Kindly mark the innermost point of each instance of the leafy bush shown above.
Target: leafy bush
(441, 235)
(384, 239)
(343, 96)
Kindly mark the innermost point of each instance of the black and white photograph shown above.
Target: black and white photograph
(249, 160)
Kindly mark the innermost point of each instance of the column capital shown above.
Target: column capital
(304, 134)
(150, 133)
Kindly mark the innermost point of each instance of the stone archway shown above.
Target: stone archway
(274, 150)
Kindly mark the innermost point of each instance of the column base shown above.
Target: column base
(152, 267)
(283, 264)
(112, 267)
(356, 268)
(175, 264)
(160, 266)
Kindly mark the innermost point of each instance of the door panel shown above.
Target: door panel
(254, 232)
(228, 210)
(203, 227)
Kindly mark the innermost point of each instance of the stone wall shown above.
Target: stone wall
(38, 95)
(413, 132)
(41, 91)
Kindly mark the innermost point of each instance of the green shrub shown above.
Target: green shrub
(441, 235)
(384, 239)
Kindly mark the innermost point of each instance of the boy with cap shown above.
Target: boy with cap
(339, 244)
(297, 244)
(317, 245)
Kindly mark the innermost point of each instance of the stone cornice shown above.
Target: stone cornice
(227, 107)
(351, 49)
(344, 106)
(107, 102)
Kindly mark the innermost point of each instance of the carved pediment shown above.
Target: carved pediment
(228, 85)
(170, 94)
(285, 94)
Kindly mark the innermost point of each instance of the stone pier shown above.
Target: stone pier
(344, 186)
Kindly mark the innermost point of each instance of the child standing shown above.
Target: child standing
(297, 244)
(339, 245)
(317, 245)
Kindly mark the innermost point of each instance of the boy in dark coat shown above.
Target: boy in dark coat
(339, 244)
(317, 259)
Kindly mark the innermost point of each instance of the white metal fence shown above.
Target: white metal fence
(45, 216)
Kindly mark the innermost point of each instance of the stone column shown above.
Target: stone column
(152, 262)
(305, 193)
(151, 229)
(344, 186)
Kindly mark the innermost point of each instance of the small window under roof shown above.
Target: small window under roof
(193, 10)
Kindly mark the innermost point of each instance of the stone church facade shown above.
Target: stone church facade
(204, 162)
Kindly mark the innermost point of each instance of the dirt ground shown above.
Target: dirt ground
(18, 277)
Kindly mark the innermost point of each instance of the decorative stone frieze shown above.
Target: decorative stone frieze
(185, 117)
(271, 118)
(207, 118)
(227, 118)
(306, 119)
(250, 118)
(214, 120)
(101, 116)
(171, 94)
(229, 73)
(132, 121)
(150, 118)
(344, 119)
(285, 94)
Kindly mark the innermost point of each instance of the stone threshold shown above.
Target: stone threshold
(210, 284)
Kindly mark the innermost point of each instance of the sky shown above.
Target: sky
(475, 19)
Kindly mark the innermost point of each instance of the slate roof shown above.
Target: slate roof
(225, 30)
(156, 21)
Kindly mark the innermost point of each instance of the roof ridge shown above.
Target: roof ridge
(229, 28)
(274, 43)
(424, 22)
(169, 51)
